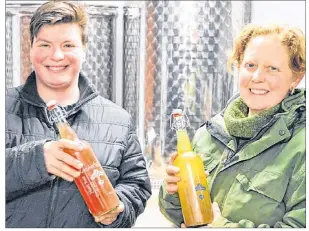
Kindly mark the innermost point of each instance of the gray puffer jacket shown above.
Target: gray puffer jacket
(33, 197)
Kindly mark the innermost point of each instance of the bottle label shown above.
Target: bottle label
(90, 182)
(87, 184)
(200, 188)
(87, 168)
(96, 174)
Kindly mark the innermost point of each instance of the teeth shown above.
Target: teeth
(258, 91)
(56, 68)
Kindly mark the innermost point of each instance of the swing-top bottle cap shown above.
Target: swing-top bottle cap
(56, 112)
(178, 120)
(177, 112)
(51, 104)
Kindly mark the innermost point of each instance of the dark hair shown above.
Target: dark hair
(54, 12)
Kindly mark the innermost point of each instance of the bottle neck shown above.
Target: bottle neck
(58, 115)
(183, 142)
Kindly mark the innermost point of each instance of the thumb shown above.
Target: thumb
(172, 158)
(121, 207)
(215, 206)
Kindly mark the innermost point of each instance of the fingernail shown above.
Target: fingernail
(77, 174)
(80, 146)
(79, 164)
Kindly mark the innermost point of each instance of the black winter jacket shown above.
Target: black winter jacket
(36, 199)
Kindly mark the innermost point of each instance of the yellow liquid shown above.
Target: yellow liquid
(195, 201)
(192, 188)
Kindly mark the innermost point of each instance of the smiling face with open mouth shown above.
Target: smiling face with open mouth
(264, 74)
(56, 56)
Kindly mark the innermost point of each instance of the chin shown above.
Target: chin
(254, 105)
(59, 85)
(259, 107)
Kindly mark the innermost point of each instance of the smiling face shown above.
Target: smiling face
(264, 74)
(56, 56)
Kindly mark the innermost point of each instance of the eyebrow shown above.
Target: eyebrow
(44, 40)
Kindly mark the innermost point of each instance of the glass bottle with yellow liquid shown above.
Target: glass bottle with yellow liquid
(192, 188)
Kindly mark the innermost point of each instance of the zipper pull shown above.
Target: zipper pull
(224, 156)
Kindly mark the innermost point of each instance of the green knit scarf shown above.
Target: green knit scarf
(238, 123)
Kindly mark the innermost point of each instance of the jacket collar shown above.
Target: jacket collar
(289, 104)
(291, 113)
(30, 93)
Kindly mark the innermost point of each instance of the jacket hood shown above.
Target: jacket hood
(293, 107)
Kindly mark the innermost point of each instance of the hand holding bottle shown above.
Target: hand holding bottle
(216, 212)
(93, 183)
(60, 163)
(110, 217)
(171, 178)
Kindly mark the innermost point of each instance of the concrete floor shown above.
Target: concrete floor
(152, 217)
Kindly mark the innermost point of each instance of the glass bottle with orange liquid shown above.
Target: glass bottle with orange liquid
(93, 183)
(192, 188)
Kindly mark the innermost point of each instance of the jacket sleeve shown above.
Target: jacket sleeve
(169, 205)
(295, 202)
(133, 186)
(24, 167)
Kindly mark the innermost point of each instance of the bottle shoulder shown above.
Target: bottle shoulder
(67, 132)
(188, 156)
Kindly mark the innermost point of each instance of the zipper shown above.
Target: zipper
(54, 189)
(82, 103)
(218, 169)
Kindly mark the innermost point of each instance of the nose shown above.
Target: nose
(57, 54)
(258, 75)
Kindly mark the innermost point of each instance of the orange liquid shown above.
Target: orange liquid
(93, 183)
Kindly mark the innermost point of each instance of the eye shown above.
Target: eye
(43, 45)
(250, 65)
(273, 69)
(69, 45)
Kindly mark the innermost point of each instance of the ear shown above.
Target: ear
(297, 79)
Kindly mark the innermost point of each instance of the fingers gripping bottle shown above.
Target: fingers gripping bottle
(93, 183)
(192, 188)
